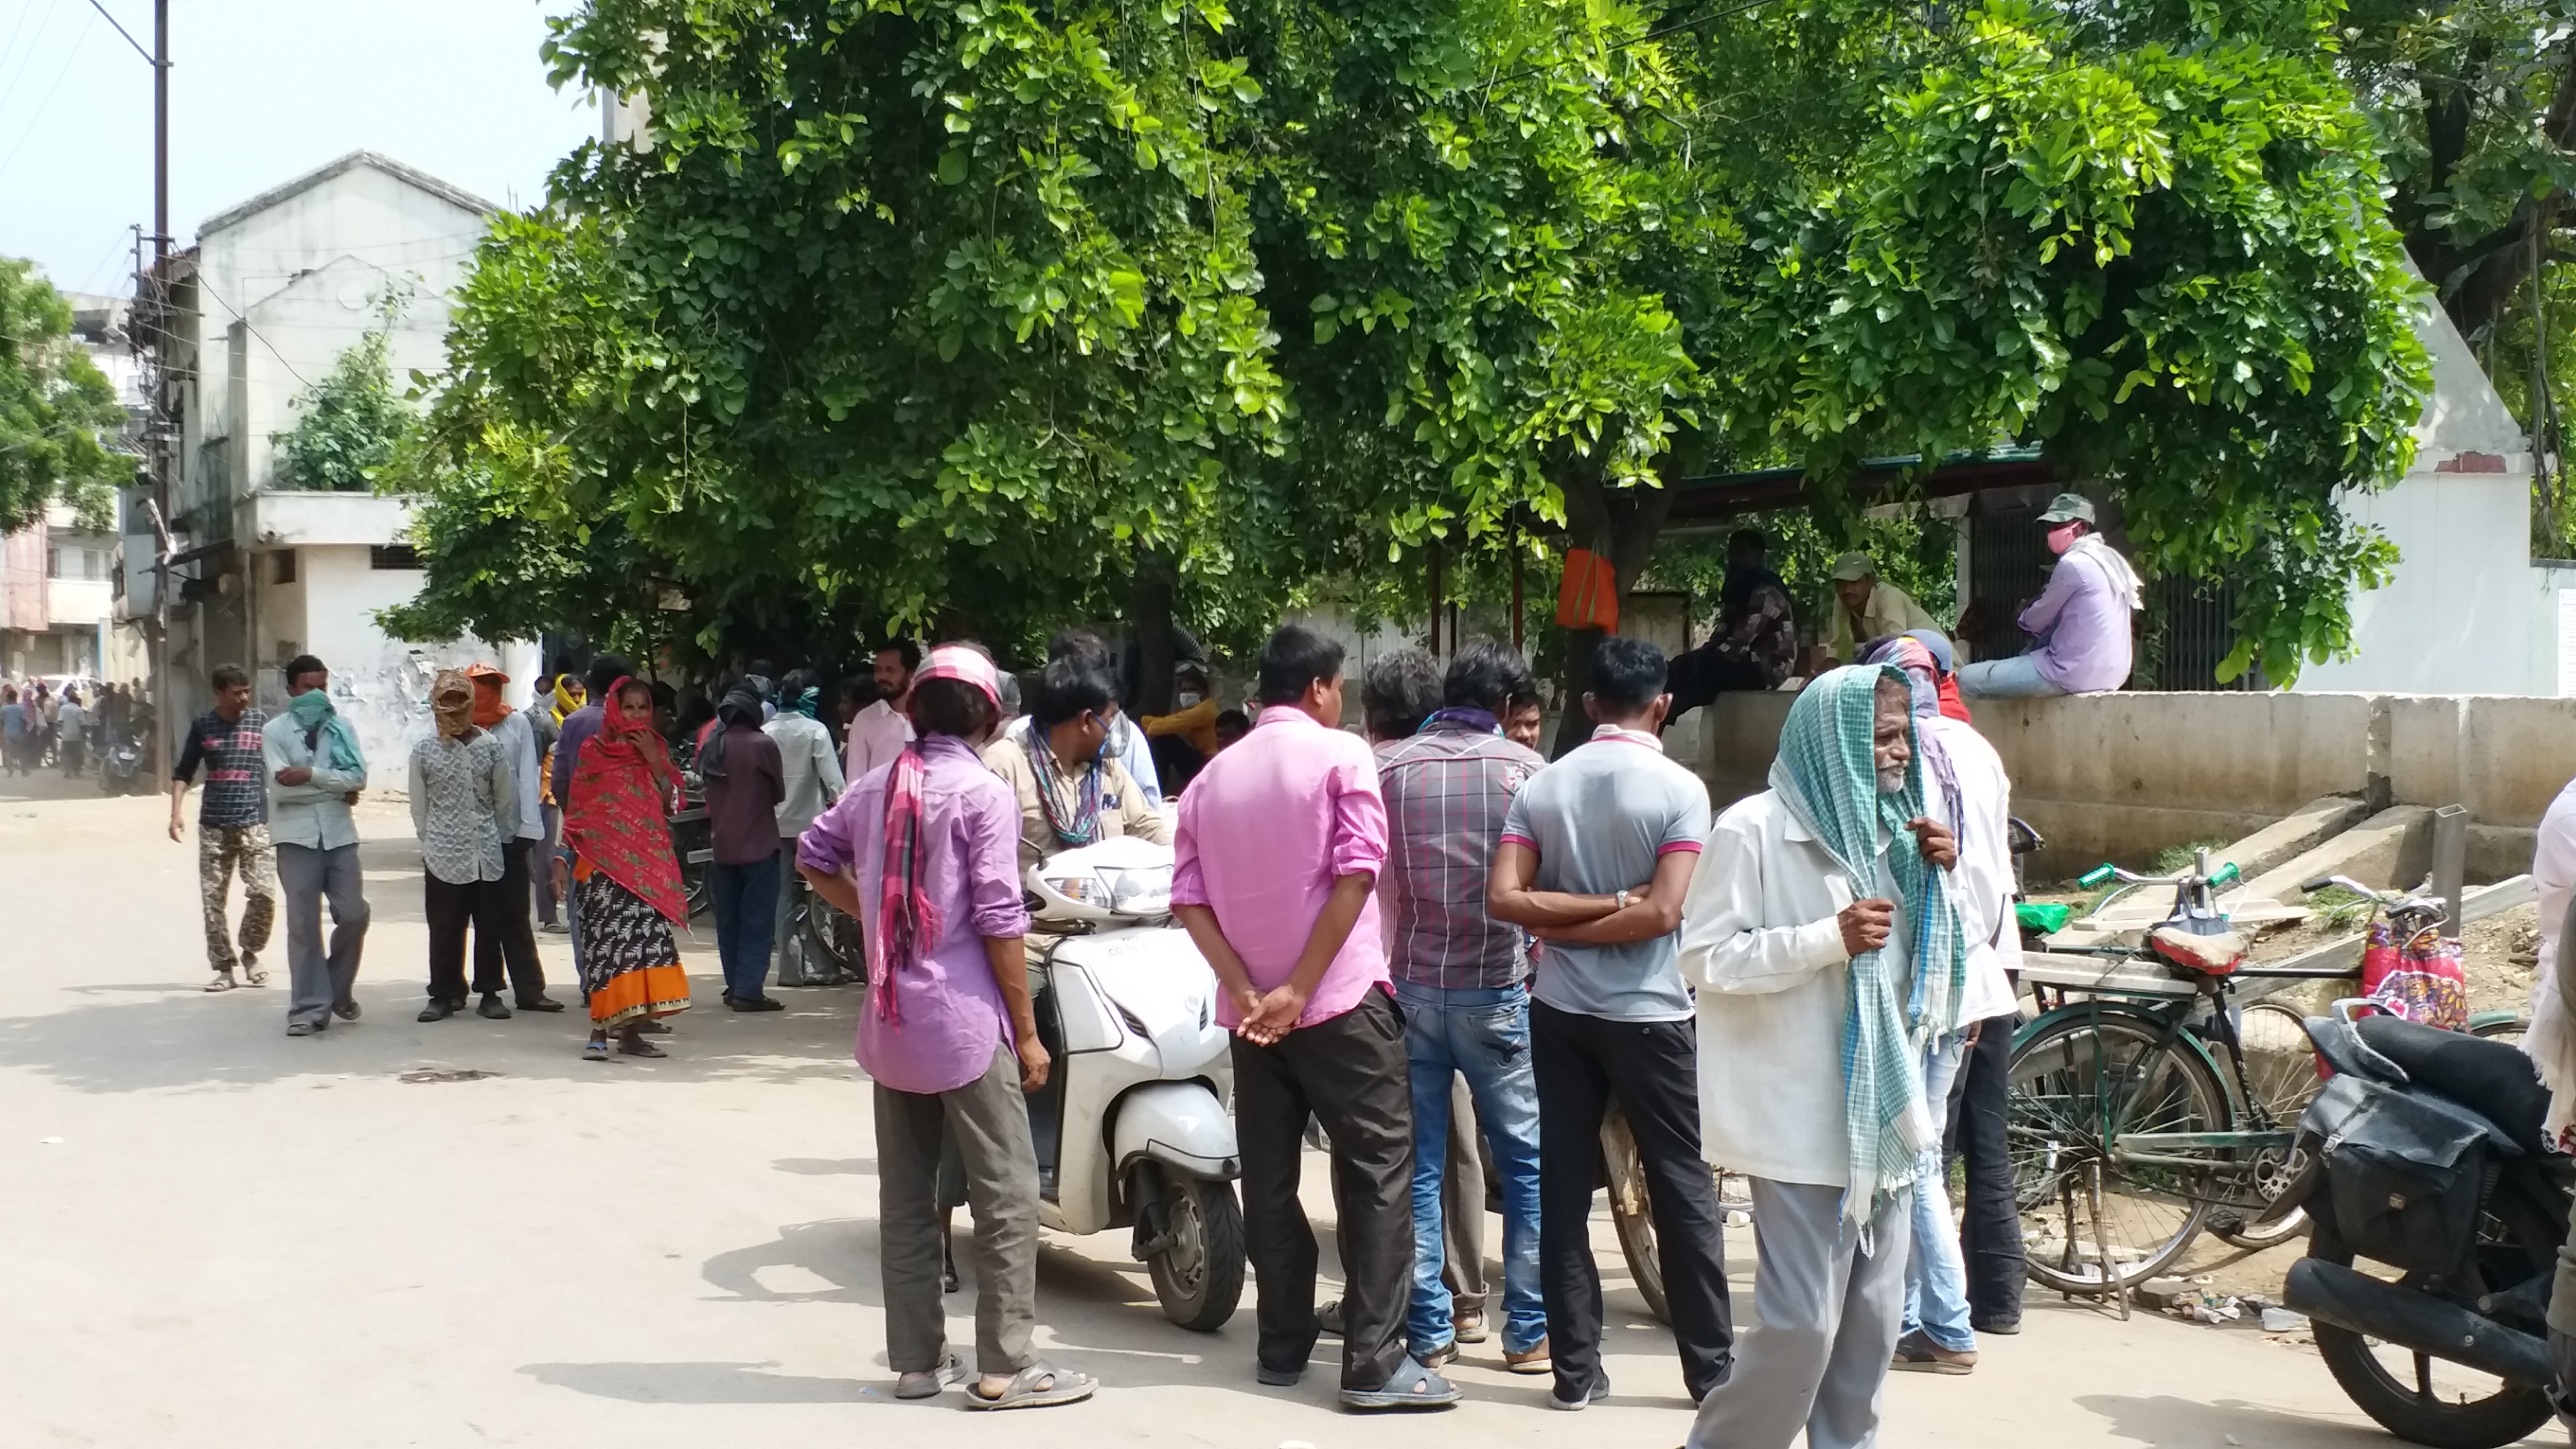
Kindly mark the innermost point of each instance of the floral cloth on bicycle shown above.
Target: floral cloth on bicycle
(2419, 980)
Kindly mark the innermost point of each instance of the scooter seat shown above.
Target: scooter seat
(2492, 1078)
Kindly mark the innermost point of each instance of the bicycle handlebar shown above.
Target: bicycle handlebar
(2106, 872)
(2385, 900)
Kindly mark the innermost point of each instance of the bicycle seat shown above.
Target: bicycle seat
(2489, 1077)
(2197, 953)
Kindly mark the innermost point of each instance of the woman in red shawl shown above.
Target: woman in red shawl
(626, 883)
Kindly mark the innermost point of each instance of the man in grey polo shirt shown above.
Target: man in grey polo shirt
(1596, 856)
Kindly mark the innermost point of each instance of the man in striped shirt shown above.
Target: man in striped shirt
(232, 825)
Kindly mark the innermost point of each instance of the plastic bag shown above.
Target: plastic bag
(2420, 980)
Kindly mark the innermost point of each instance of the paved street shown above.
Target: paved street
(221, 1236)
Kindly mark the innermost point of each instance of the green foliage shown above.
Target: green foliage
(1918, 552)
(58, 413)
(351, 423)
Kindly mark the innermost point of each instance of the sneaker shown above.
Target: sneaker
(1918, 1353)
(1600, 1391)
(438, 1009)
(302, 1028)
(1531, 1360)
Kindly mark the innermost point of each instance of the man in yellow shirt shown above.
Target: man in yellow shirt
(1866, 608)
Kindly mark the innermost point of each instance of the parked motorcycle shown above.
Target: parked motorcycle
(1131, 1128)
(120, 766)
(2439, 1211)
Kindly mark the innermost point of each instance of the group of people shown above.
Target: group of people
(2078, 628)
(40, 726)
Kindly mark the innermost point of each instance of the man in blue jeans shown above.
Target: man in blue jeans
(746, 779)
(1459, 975)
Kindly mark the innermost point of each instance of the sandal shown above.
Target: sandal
(931, 1383)
(641, 1049)
(251, 974)
(596, 1051)
(223, 981)
(1411, 1386)
(1039, 1386)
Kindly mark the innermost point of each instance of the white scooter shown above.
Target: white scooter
(1131, 1127)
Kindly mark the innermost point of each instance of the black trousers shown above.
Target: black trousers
(512, 938)
(1350, 1073)
(1651, 1069)
(1699, 677)
(1990, 1236)
(451, 909)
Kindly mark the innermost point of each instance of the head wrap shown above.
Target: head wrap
(741, 705)
(451, 703)
(1922, 676)
(809, 704)
(323, 728)
(615, 819)
(1827, 775)
(489, 707)
(907, 922)
(568, 696)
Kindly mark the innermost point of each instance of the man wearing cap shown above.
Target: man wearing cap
(2080, 621)
(511, 943)
(1867, 608)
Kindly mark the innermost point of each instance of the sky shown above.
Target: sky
(261, 91)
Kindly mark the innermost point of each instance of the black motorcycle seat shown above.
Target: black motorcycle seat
(2490, 1077)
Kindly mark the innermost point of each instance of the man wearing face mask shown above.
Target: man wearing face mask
(1185, 739)
(2080, 621)
(1070, 791)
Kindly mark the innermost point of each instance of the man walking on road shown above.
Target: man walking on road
(71, 725)
(464, 806)
(1596, 854)
(1459, 976)
(1281, 840)
(232, 825)
(315, 773)
(745, 785)
(1827, 953)
(512, 946)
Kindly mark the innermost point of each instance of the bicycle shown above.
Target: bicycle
(2137, 1099)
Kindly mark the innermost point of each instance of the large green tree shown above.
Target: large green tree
(59, 417)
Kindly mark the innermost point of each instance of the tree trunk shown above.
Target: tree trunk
(1150, 692)
(1620, 525)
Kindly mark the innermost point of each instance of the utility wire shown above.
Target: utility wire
(248, 325)
(39, 113)
(129, 36)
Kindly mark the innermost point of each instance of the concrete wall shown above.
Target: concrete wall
(2121, 776)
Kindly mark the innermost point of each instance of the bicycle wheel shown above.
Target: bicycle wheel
(2505, 1026)
(2086, 1075)
(2280, 1078)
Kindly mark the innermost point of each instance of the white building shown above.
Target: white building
(272, 293)
(58, 580)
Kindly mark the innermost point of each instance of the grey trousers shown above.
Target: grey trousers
(1830, 1315)
(305, 876)
(988, 1118)
(1462, 1204)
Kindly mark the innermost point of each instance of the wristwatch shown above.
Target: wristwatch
(1623, 900)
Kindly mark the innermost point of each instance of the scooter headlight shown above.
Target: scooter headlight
(1085, 889)
(1140, 890)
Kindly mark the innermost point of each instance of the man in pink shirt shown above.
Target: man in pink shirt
(879, 732)
(1281, 840)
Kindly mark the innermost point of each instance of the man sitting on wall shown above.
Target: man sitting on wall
(2080, 621)
(1865, 607)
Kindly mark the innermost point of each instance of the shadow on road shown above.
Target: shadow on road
(2188, 1424)
(702, 1383)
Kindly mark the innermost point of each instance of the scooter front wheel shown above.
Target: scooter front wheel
(1198, 1274)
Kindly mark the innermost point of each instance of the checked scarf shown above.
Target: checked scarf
(1825, 773)
(907, 922)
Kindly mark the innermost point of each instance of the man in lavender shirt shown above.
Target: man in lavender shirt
(1280, 843)
(947, 1031)
(2081, 620)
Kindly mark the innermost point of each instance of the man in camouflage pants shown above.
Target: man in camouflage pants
(232, 825)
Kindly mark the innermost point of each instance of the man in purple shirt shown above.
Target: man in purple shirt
(2081, 620)
(1280, 843)
(925, 852)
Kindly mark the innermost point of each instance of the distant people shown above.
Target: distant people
(1231, 726)
(623, 879)
(1125, 741)
(511, 946)
(464, 808)
(879, 732)
(557, 697)
(1756, 643)
(232, 825)
(1185, 739)
(316, 772)
(1459, 975)
(1865, 607)
(1824, 942)
(1595, 855)
(922, 851)
(746, 782)
(1069, 790)
(1281, 841)
(1965, 789)
(17, 733)
(2080, 622)
(71, 733)
(1523, 722)
(810, 770)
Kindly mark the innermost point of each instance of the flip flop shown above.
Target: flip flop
(931, 1383)
(596, 1051)
(1062, 1386)
(1411, 1386)
(641, 1049)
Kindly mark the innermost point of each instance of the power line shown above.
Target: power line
(9, 87)
(39, 114)
(248, 325)
(129, 35)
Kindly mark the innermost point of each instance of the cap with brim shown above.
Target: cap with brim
(2068, 508)
(952, 661)
(1854, 566)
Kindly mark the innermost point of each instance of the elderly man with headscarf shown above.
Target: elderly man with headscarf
(1965, 789)
(1822, 935)
(465, 809)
